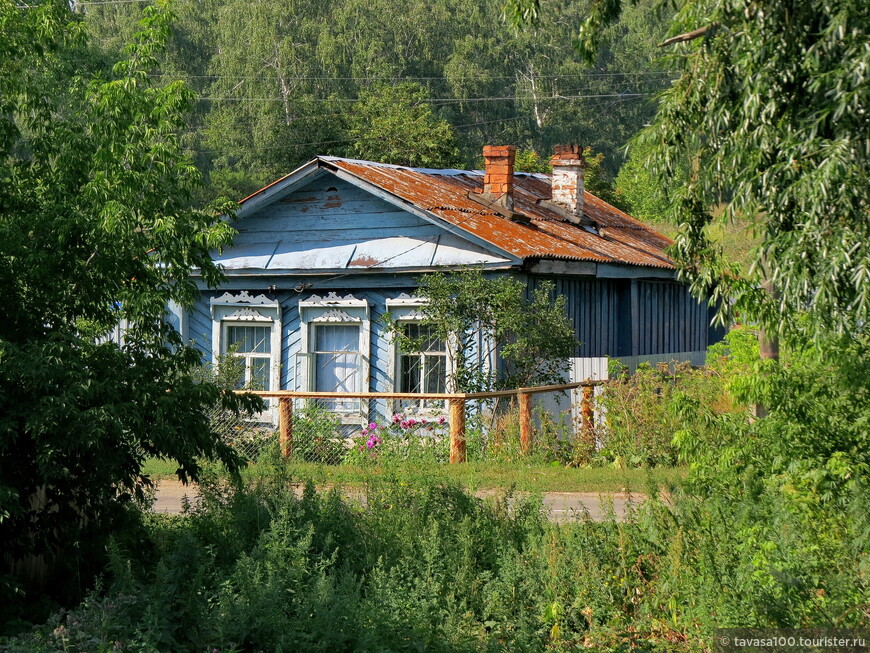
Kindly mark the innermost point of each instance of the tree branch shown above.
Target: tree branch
(688, 36)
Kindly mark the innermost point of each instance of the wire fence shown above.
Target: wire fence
(555, 424)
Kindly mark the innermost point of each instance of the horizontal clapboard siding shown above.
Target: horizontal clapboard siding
(199, 326)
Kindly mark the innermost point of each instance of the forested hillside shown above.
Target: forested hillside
(423, 83)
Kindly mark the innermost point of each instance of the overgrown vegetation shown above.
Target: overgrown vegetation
(426, 566)
(768, 529)
(96, 229)
(644, 411)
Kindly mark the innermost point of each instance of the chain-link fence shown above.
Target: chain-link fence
(551, 426)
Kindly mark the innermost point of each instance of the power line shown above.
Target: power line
(437, 100)
(399, 78)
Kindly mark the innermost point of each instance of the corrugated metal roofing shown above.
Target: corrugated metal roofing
(547, 235)
(444, 193)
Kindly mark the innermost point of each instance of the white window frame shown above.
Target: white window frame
(336, 310)
(244, 309)
(405, 309)
(246, 356)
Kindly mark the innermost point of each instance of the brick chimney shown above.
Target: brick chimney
(498, 178)
(568, 169)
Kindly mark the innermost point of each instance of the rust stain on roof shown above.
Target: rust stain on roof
(363, 262)
(547, 235)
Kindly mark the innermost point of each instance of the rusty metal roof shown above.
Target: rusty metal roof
(546, 234)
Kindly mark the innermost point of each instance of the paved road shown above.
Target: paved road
(562, 506)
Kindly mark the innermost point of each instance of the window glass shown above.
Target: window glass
(249, 339)
(426, 370)
(336, 358)
(253, 344)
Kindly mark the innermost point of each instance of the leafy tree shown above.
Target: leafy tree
(528, 161)
(770, 112)
(394, 124)
(531, 333)
(640, 190)
(289, 90)
(95, 229)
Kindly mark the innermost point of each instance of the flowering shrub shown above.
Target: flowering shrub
(401, 438)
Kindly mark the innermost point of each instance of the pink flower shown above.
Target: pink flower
(404, 424)
(397, 418)
(373, 426)
(373, 442)
(412, 422)
(441, 420)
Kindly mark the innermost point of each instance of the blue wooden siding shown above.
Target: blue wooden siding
(199, 325)
(666, 319)
(671, 320)
(330, 224)
(593, 305)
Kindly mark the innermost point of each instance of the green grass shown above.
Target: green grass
(474, 476)
(157, 468)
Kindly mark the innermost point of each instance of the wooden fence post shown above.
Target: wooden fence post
(587, 411)
(525, 421)
(285, 424)
(457, 431)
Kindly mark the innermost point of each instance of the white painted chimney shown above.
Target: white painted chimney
(568, 169)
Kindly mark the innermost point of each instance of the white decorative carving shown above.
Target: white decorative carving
(248, 315)
(406, 300)
(333, 299)
(335, 315)
(243, 297)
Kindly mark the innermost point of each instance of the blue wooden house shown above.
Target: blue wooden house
(322, 253)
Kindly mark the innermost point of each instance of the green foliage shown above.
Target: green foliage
(596, 179)
(424, 565)
(292, 87)
(317, 435)
(645, 410)
(813, 443)
(644, 195)
(770, 113)
(532, 334)
(393, 124)
(530, 161)
(96, 229)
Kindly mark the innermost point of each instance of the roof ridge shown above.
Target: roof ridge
(447, 172)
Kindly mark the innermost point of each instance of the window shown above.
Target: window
(426, 370)
(253, 345)
(333, 354)
(337, 363)
(249, 327)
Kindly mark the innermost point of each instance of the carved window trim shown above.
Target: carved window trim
(245, 309)
(335, 309)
